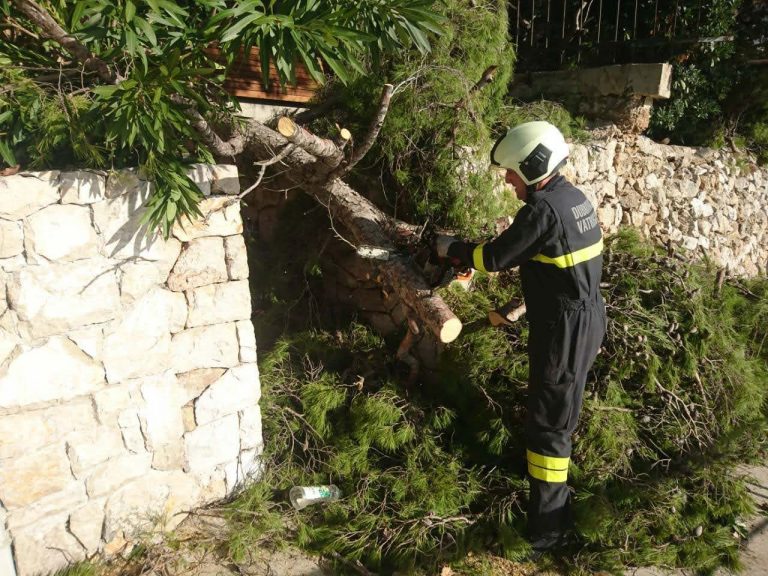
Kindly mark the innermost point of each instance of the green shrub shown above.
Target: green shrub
(675, 401)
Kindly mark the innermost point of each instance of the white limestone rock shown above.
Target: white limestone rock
(89, 339)
(58, 297)
(88, 448)
(113, 473)
(236, 257)
(237, 388)
(245, 470)
(169, 456)
(195, 381)
(26, 193)
(45, 547)
(83, 187)
(111, 401)
(140, 344)
(690, 242)
(85, 524)
(57, 370)
(142, 275)
(201, 262)
(604, 156)
(7, 565)
(162, 416)
(60, 232)
(648, 146)
(225, 179)
(701, 209)
(34, 475)
(221, 217)
(33, 429)
(606, 215)
(247, 340)
(214, 484)
(130, 428)
(127, 181)
(251, 428)
(579, 159)
(8, 346)
(11, 239)
(211, 444)
(219, 303)
(205, 347)
(150, 503)
(201, 175)
(118, 220)
(68, 498)
(13, 264)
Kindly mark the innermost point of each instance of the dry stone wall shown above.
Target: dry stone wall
(697, 201)
(129, 389)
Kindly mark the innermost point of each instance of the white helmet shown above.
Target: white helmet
(534, 150)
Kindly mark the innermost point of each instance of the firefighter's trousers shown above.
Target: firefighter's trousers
(561, 351)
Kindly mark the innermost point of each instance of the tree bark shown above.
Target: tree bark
(52, 30)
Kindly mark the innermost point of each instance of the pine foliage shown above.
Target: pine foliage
(436, 120)
(674, 403)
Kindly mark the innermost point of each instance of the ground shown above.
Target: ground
(191, 551)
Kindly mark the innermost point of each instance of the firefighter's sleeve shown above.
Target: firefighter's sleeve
(531, 228)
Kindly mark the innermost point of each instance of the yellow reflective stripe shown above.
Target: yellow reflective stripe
(550, 462)
(568, 260)
(547, 468)
(546, 475)
(477, 258)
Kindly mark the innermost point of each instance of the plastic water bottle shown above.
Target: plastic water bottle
(303, 496)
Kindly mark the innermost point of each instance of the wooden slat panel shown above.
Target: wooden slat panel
(244, 80)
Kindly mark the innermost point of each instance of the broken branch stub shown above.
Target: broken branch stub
(326, 150)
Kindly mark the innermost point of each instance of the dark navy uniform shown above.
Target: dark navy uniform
(556, 240)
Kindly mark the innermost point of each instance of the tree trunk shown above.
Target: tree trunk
(366, 224)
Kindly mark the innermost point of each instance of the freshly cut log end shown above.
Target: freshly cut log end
(286, 126)
(345, 134)
(450, 330)
(507, 315)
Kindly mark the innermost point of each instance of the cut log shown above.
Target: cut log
(321, 148)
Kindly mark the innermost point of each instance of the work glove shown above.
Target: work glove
(441, 244)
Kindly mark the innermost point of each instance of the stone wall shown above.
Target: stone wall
(129, 387)
(621, 94)
(698, 201)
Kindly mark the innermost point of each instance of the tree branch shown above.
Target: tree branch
(53, 31)
(263, 167)
(232, 147)
(486, 78)
(370, 137)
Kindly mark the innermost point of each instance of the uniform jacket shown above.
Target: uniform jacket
(556, 240)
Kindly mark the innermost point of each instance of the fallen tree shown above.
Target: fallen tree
(315, 165)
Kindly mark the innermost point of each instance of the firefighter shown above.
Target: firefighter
(556, 240)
